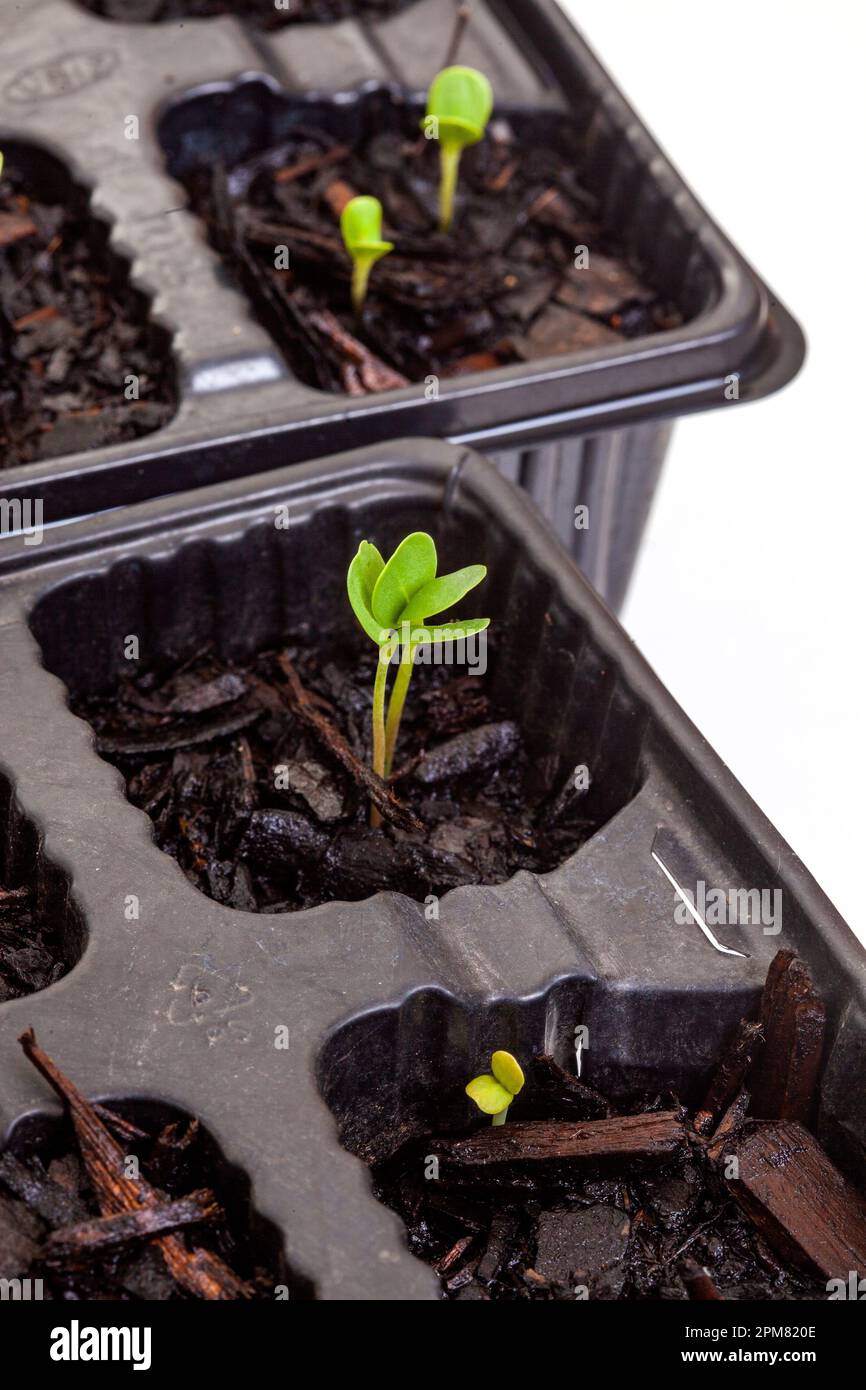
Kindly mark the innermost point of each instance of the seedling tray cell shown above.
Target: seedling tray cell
(388, 1012)
(556, 424)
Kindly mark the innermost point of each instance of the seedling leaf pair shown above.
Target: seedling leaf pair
(408, 591)
(494, 1091)
(393, 600)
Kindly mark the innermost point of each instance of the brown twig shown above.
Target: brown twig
(381, 795)
(375, 375)
(464, 13)
(118, 1124)
(730, 1072)
(620, 1139)
(90, 1240)
(200, 1272)
(310, 164)
(169, 740)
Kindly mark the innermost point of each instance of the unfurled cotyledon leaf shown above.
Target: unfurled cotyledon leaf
(409, 570)
(361, 581)
(442, 592)
(495, 1090)
(423, 636)
(508, 1071)
(488, 1094)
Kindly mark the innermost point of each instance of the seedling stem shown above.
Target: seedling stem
(398, 700)
(361, 228)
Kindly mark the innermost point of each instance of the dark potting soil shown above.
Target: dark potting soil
(267, 14)
(627, 1230)
(262, 815)
(30, 953)
(70, 337)
(503, 286)
(53, 1228)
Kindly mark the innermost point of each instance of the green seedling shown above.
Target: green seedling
(495, 1090)
(361, 226)
(459, 104)
(393, 603)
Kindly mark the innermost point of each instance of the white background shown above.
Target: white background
(747, 598)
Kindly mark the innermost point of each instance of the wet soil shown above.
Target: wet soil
(30, 952)
(263, 816)
(526, 272)
(50, 1226)
(668, 1230)
(72, 336)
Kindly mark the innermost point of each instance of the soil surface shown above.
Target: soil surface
(507, 284)
(262, 815)
(71, 333)
(560, 1231)
(30, 954)
(46, 1203)
(264, 13)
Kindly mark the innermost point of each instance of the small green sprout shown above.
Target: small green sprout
(495, 1090)
(459, 104)
(393, 602)
(361, 226)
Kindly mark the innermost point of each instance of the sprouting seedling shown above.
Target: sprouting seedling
(361, 226)
(393, 602)
(459, 104)
(494, 1091)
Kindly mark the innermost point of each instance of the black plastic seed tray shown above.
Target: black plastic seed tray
(388, 1012)
(588, 428)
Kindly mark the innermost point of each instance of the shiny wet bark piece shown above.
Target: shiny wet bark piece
(787, 1073)
(593, 1143)
(730, 1075)
(798, 1200)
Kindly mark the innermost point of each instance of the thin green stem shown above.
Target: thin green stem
(398, 700)
(500, 1118)
(361, 267)
(449, 158)
(379, 687)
